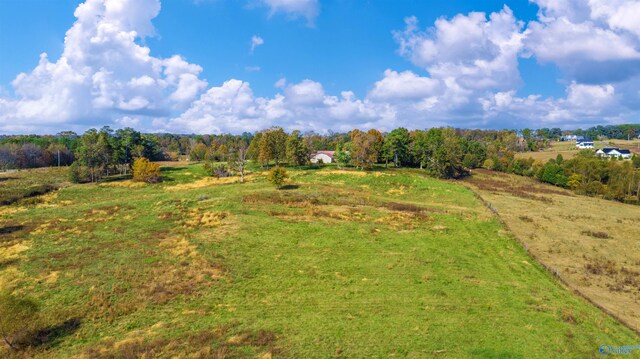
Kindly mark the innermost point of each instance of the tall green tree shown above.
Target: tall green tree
(297, 151)
(396, 146)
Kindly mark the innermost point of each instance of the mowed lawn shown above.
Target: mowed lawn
(339, 264)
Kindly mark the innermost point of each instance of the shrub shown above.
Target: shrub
(74, 173)
(488, 164)
(78, 173)
(277, 176)
(17, 318)
(146, 171)
(217, 171)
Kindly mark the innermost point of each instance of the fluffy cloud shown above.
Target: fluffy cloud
(308, 9)
(304, 106)
(103, 73)
(405, 85)
(466, 75)
(476, 51)
(471, 80)
(596, 41)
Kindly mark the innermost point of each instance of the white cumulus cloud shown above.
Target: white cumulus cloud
(103, 73)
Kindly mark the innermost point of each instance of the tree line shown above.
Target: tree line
(441, 152)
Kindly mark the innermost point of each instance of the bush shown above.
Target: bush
(488, 164)
(277, 176)
(216, 171)
(17, 318)
(78, 173)
(146, 171)
(74, 173)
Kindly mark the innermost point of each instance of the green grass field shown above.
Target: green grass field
(340, 264)
(28, 183)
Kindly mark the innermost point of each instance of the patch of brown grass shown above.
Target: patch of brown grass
(216, 343)
(209, 181)
(123, 184)
(486, 181)
(208, 219)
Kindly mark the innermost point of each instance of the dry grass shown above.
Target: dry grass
(547, 155)
(217, 343)
(207, 182)
(332, 205)
(568, 149)
(353, 172)
(633, 145)
(589, 242)
(123, 184)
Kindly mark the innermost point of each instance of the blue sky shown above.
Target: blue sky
(318, 65)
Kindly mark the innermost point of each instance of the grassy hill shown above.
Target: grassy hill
(591, 243)
(341, 263)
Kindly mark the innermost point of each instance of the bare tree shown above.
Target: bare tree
(238, 158)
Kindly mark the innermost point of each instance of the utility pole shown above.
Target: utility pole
(58, 157)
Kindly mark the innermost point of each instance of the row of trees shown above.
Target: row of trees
(619, 132)
(103, 152)
(29, 155)
(585, 174)
(451, 153)
(439, 150)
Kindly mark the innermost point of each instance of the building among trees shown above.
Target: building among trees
(322, 157)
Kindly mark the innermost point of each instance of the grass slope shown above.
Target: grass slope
(16, 185)
(346, 264)
(592, 243)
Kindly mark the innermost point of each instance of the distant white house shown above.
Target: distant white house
(322, 157)
(614, 153)
(584, 143)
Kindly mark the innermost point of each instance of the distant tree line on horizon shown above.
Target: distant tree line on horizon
(442, 152)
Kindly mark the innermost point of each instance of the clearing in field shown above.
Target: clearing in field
(342, 263)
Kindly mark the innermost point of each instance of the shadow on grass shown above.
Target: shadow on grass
(9, 262)
(167, 173)
(2, 179)
(51, 336)
(10, 229)
(116, 178)
(289, 187)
